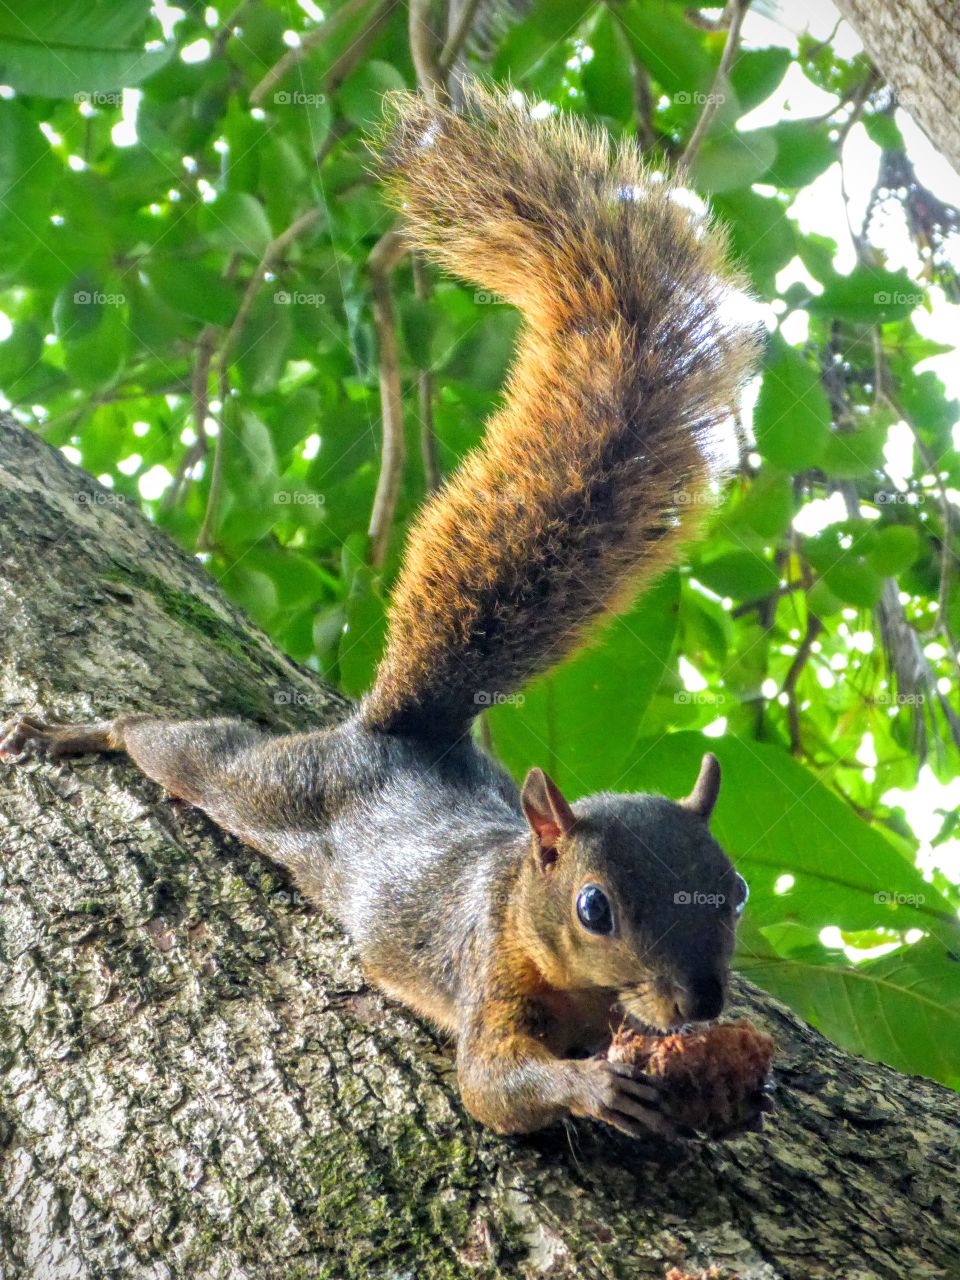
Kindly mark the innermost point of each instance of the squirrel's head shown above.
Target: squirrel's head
(632, 893)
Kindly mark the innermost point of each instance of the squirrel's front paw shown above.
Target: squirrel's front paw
(622, 1096)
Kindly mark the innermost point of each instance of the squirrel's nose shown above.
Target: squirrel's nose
(701, 999)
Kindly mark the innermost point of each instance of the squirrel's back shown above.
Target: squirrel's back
(633, 353)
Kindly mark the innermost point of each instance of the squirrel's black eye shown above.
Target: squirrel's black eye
(593, 909)
(741, 893)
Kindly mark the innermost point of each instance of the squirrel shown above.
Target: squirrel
(525, 925)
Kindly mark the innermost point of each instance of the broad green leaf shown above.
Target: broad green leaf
(733, 160)
(895, 548)
(792, 416)
(608, 76)
(868, 295)
(195, 290)
(664, 42)
(756, 73)
(361, 97)
(761, 234)
(236, 222)
(902, 1009)
(361, 642)
(263, 345)
(768, 504)
(804, 151)
(850, 454)
(741, 575)
(74, 49)
(19, 354)
(569, 720)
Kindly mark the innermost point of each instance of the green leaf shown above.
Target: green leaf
(236, 222)
(851, 454)
(733, 160)
(895, 548)
(194, 289)
(361, 96)
(756, 73)
(264, 343)
(761, 234)
(19, 353)
(868, 295)
(71, 48)
(365, 627)
(792, 416)
(608, 76)
(104, 439)
(741, 575)
(854, 581)
(902, 1009)
(571, 720)
(804, 151)
(667, 46)
(884, 131)
(768, 504)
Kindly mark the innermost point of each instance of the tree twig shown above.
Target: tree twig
(428, 439)
(274, 250)
(384, 256)
(457, 37)
(736, 11)
(425, 49)
(200, 399)
(814, 627)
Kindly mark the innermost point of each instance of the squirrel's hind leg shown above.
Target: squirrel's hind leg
(191, 759)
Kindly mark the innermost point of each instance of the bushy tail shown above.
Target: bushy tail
(633, 353)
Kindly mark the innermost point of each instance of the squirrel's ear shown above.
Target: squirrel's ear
(706, 788)
(549, 815)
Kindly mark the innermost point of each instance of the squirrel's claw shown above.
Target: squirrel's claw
(762, 1104)
(623, 1097)
(23, 737)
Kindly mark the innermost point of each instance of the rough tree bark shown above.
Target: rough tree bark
(196, 1081)
(916, 47)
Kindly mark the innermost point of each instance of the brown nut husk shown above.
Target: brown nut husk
(711, 1078)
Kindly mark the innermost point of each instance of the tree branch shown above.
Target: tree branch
(735, 13)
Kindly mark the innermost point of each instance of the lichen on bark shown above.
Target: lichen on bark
(196, 1080)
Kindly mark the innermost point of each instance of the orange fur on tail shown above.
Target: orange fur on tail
(632, 354)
